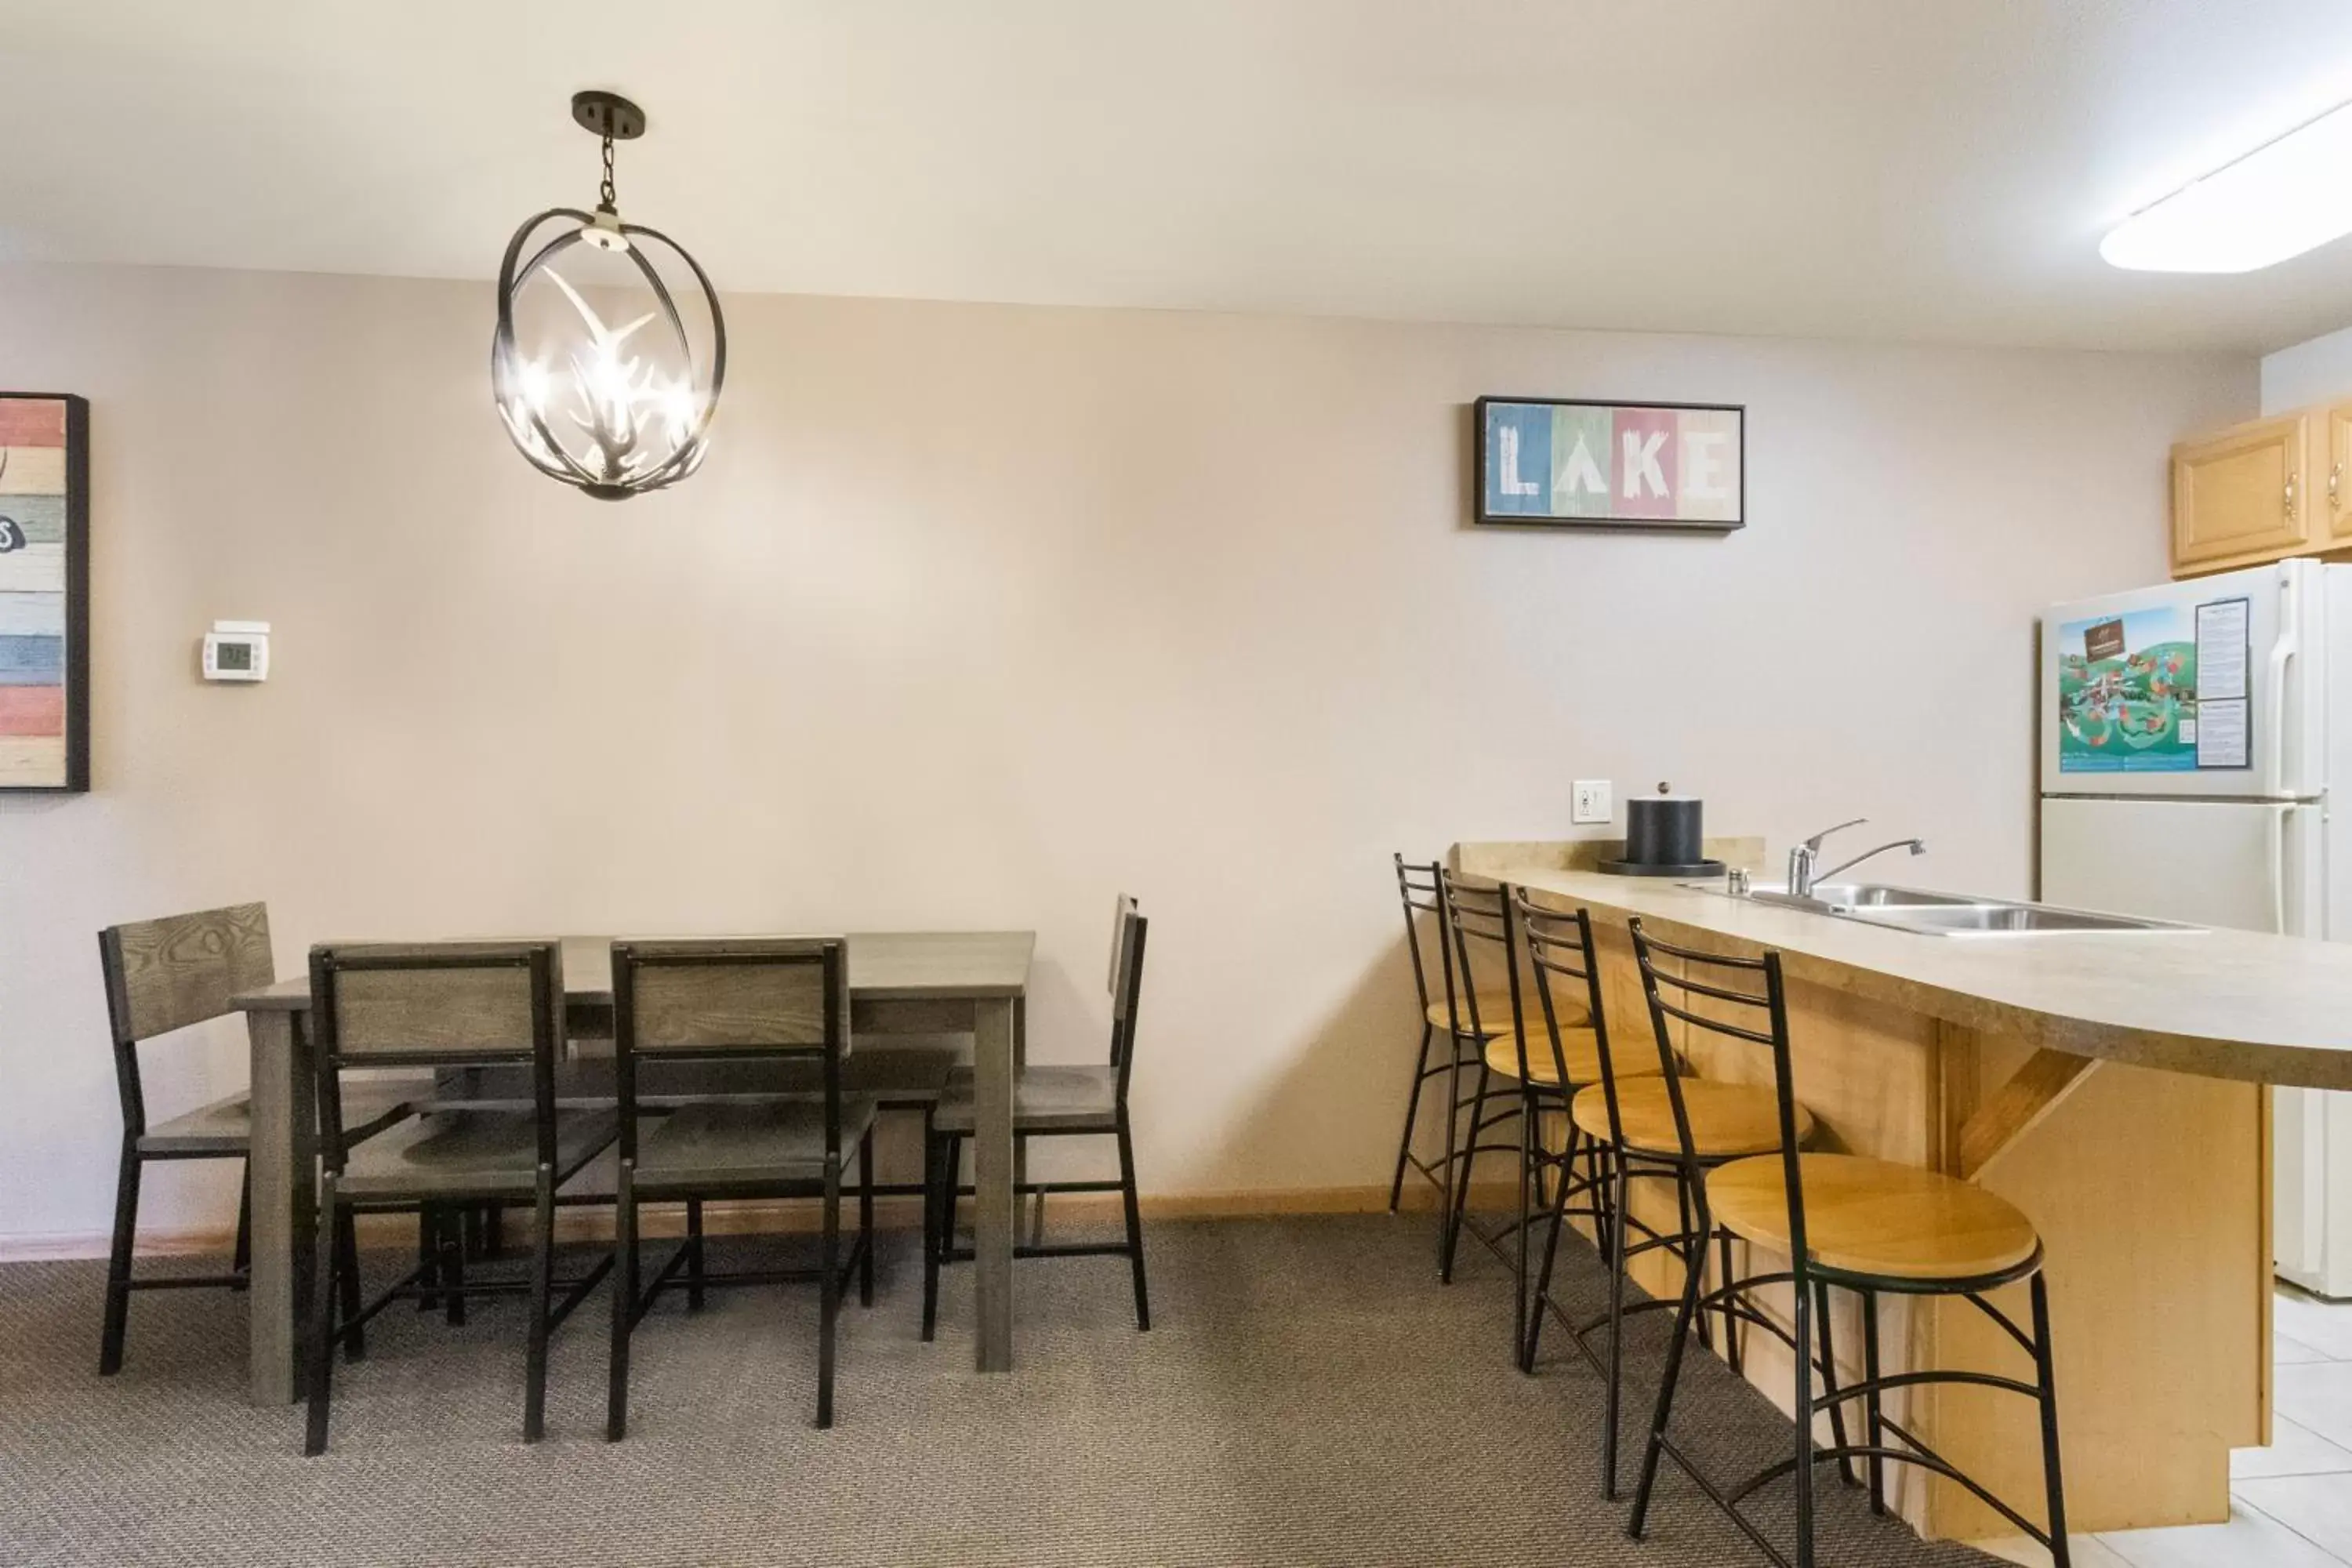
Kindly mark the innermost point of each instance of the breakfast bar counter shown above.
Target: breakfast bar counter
(2113, 1085)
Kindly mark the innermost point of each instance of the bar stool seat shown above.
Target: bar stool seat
(1727, 1120)
(1580, 1047)
(1874, 1217)
(1495, 1014)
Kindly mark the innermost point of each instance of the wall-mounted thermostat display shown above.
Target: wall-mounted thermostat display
(237, 650)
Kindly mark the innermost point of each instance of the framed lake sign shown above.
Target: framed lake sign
(44, 591)
(1562, 463)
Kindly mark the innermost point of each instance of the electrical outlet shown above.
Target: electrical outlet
(1591, 802)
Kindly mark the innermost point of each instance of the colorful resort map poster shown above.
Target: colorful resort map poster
(2127, 692)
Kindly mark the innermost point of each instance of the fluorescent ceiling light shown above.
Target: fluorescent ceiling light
(2277, 201)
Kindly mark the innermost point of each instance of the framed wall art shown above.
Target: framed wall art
(1565, 463)
(44, 591)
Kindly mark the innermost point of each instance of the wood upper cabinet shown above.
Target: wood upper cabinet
(2332, 465)
(2246, 495)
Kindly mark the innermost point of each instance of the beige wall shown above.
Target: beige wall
(978, 615)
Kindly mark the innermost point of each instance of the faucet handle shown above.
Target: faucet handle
(1814, 843)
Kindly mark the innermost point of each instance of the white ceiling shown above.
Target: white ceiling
(1929, 169)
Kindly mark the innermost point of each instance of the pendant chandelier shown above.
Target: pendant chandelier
(601, 380)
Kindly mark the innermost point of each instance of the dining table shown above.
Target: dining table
(901, 984)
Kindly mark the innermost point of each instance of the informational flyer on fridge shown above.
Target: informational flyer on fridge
(2162, 689)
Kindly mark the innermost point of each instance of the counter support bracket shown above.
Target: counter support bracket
(2033, 1093)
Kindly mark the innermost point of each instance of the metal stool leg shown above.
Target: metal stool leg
(2053, 1483)
(1411, 1110)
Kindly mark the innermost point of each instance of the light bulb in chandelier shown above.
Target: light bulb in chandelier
(602, 380)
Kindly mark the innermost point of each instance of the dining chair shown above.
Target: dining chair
(162, 976)
(1869, 1226)
(448, 1006)
(1051, 1101)
(779, 1001)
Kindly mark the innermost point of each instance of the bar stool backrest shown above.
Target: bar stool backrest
(1480, 911)
(168, 973)
(732, 999)
(1126, 988)
(440, 1004)
(1418, 886)
(1720, 995)
(1560, 951)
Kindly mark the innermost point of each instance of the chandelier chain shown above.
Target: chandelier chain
(605, 192)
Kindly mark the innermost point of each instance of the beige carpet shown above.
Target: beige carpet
(1308, 1395)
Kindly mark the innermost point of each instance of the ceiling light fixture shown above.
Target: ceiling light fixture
(2279, 200)
(598, 405)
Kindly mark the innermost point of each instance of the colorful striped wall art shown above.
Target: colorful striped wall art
(44, 593)
(1635, 465)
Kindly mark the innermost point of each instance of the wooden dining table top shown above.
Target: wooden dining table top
(883, 966)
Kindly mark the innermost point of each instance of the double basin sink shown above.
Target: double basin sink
(1947, 914)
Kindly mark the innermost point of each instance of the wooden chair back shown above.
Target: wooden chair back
(443, 1004)
(165, 974)
(730, 999)
(1126, 988)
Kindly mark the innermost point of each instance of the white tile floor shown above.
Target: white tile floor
(2293, 1499)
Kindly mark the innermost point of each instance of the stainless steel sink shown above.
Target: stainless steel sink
(1948, 914)
(2004, 920)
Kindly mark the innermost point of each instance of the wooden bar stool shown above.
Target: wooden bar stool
(1531, 1067)
(1871, 1226)
(1625, 1117)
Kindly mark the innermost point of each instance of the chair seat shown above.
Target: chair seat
(1495, 1012)
(479, 1153)
(1580, 1047)
(225, 1126)
(1874, 1217)
(1726, 1119)
(719, 1144)
(1044, 1098)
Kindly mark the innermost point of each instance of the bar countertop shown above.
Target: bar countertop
(2216, 1004)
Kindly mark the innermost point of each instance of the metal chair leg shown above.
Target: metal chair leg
(1452, 1132)
(829, 1296)
(1693, 1271)
(1411, 1110)
(347, 1273)
(694, 1255)
(624, 1302)
(429, 1257)
(866, 1219)
(1846, 1472)
(118, 1262)
(2053, 1481)
(1134, 1223)
(1805, 1336)
(452, 1240)
(323, 1321)
(1612, 1394)
(1519, 1258)
(542, 1288)
(1460, 1167)
(934, 1207)
(1875, 1417)
(1559, 1216)
(240, 1260)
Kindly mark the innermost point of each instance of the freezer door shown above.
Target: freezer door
(2250, 864)
(2214, 687)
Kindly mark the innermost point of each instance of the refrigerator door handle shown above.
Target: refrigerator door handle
(2277, 865)
(2283, 653)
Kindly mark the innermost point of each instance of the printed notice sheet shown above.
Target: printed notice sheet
(2223, 704)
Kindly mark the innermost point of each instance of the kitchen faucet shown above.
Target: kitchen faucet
(1803, 859)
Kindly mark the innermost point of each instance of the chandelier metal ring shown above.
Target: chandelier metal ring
(615, 427)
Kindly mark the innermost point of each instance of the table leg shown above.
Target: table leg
(279, 1164)
(992, 1160)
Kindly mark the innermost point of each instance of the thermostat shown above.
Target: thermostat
(237, 650)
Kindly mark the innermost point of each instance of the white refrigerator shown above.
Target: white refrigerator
(2191, 749)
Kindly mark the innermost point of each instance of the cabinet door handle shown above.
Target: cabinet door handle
(2334, 488)
(2290, 498)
